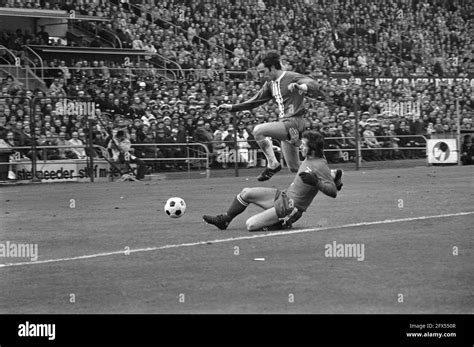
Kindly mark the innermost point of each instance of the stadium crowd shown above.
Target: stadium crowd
(91, 8)
(390, 38)
(316, 37)
(382, 38)
(167, 113)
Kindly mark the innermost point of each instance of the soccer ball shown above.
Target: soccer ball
(175, 207)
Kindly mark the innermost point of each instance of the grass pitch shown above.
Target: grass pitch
(110, 248)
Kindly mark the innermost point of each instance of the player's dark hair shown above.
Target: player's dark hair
(269, 59)
(315, 142)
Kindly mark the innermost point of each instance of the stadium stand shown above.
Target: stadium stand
(182, 55)
(430, 37)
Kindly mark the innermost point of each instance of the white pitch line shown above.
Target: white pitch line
(257, 236)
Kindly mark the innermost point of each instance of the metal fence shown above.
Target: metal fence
(205, 156)
(196, 153)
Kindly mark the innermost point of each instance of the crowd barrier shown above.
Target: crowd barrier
(204, 156)
(96, 168)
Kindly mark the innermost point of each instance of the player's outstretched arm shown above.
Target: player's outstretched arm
(327, 187)
(263, 96)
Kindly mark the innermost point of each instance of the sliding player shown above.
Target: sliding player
(288, 89)
(283, 208)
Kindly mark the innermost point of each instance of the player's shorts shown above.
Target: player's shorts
(284, 206)
(297, 122)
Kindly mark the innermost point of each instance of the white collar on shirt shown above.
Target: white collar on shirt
(279, 78)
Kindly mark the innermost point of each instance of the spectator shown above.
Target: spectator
(120, 146)
(331, 143)
(47, 153)
(467, 151)
(166, 151)
(43, 35)
(65, 152)
(371, 142)
(57, 88)
(3, 129)
(242, 145)
(5, 148)
(80, 153)
(203, 135)
(393, 143)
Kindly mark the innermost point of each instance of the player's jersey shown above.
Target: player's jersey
(290, 104)
(302, 193)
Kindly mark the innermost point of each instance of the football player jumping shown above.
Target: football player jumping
(288, 89)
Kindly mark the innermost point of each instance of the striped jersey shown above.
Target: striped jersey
(302, 193)
(290, 104)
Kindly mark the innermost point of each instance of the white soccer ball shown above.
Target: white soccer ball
(175, 207)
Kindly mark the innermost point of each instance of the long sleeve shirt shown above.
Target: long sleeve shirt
(302, 193)
(289, 103)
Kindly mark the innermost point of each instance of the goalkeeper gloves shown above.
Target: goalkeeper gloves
(307, 178)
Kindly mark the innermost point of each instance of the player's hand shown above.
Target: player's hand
(294, 136)
(292, 218)
(224, 107)
(307, 178)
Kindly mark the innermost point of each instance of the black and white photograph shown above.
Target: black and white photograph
(256, 160)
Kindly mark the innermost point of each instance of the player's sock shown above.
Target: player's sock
(267, 147)
(237, 207)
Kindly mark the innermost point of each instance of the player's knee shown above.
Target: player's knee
(258, 131)
(245, 193)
